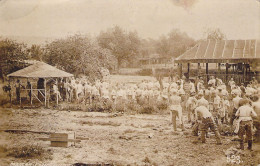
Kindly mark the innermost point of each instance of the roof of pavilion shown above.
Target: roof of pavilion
(40, 70)
(222, 51)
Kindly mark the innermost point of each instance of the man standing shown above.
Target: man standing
(245, 113)
(176, 109)
(235, 105)
(190, 106)
(207, 122)
(256, 121)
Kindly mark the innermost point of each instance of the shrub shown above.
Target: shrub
(26, 151)
(145, 72)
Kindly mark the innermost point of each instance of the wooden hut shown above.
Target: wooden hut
(41, 73)
(240, 59)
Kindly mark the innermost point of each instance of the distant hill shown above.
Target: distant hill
(30, 40)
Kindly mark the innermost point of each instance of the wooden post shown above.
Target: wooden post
(226, 72)
(219, 69)
(10, 92)
(198, 69)
(180, 69)
(31, 98)
(188, 75)
(244, 72)
(57, 97)
(45, 93)
(66, 89)
(20, 98)
(207, 72)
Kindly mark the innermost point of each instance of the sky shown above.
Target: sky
(237, 19)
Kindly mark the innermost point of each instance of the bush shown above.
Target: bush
(147, 109)
(145, 72)
(26, 151)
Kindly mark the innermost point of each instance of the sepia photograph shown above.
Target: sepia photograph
(129, 82)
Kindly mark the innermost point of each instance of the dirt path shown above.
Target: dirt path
(121, 140)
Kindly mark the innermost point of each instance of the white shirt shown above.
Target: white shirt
(204, 111)
(202, 102)
(245, 112)
(236, 101)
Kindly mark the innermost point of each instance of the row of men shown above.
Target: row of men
(77, 89)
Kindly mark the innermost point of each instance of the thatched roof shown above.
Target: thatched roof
(222, 51)
(40, 70)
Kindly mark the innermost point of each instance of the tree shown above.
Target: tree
(79, 55)
(11, 53)
(174, 44)
(36, 52)
(214, 34)
(124, 46)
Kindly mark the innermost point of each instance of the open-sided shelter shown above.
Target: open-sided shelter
(238, 56)
(39, 71)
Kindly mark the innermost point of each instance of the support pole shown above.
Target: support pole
(219, 71)
(10, 91)
(188, 75)
(57, 97)
(20, 98)
(244, 72)
(66, 89)
(226, 72)
(198, 69)
(207, 72)
(45, 93)
(180, 69)
(31, 98)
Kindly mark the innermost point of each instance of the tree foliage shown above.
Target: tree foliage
(124, 46)
(174, 44)
(36, 52)
(79, 55)
(11, 52)
(214, 34)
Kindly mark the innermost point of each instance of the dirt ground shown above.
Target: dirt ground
(109, 138)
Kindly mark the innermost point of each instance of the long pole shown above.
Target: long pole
(226, 72)
(10, 92)
(207, 71)
(31, 96)
(198, 69)
(188, 75)
(45, 93)
(57, 97)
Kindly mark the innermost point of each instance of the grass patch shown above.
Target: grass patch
(26, 151)
(129, 131)
(91, 123)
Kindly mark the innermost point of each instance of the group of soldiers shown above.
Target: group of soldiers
(216, 105)
(206, 104)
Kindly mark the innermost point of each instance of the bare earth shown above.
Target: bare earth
(113, 139)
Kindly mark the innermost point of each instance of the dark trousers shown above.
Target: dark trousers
(208, 123)
(233, 116)
(245, 127)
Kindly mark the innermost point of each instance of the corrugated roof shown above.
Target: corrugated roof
(217, 51)
(40, 70)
